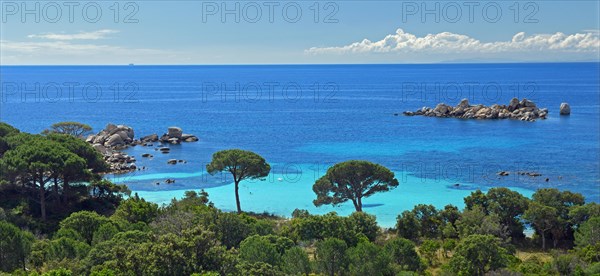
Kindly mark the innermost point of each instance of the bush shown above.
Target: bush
(478, 254)
(15, 246)
(231, 229)
(295, 262)
(403, 254)
(365, 224)
(84, 223)
(429, 250)
(137, 209)
(567, 264)
(368, 259)
(58, 272)
(331, 256)
(532, 265)
(256, 249)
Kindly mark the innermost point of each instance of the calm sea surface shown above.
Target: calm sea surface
(304, 118)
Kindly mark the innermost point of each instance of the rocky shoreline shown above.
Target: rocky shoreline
(114, 138)
(524, 110)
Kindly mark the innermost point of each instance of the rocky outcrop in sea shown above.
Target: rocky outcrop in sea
(114, 138)
(109, 142)
(173, 136)
(565, 109)
(524, 110)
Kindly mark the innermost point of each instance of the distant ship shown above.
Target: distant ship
(130, 64)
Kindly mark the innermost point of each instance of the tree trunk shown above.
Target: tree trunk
(55, 188)
(359, 205)
(65, 190)
(332, 271)
(42, 198)
(355, 203)
(544, 240)
(237, 197)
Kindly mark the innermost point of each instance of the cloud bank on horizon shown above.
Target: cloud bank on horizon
(65, 47)
(401, 47)
(95, 35)
(574, 47)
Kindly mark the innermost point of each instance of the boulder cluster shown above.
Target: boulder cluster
(175, 161)
(148, 140)
(524, 110)
(532, 174)
(109, 141)
(114, 138)
(120, 162)
(174, 136)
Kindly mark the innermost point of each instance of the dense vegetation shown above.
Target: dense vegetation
(94, 227)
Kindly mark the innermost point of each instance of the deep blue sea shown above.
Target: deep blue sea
(304, 118)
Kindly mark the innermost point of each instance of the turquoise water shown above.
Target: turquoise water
(336, 113)
(283, 196)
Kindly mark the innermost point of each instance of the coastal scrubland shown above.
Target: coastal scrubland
(59, 216)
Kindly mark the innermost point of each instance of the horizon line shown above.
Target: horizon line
(302, 64)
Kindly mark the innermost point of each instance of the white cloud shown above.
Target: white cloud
(451, 43)
(62, 47)
(95, 35)
(32, 47)
(66, 52)
(80, 48)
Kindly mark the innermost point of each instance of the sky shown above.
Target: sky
(296, 32)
